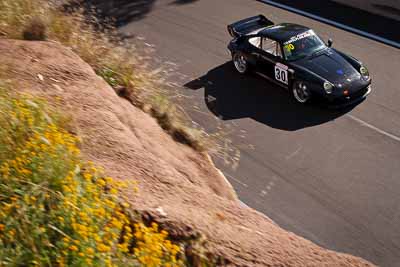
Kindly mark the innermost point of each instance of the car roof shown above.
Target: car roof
(283, 32)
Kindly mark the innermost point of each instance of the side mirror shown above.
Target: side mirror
(330, 42)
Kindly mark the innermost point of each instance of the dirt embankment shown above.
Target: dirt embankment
(178, 187)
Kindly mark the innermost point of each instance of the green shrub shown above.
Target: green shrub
(56, 209)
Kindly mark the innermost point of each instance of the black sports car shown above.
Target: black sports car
(294, 57)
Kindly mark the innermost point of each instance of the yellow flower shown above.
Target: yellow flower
(101, 182)
(124, 247)
(109, 180)
(164, 233)
(108, 262)
(73, 248)
(87, 176)
(12, 232)
(61, 262)
(103, 248)
(90, 251)
(113, 191)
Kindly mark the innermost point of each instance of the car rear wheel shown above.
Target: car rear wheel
(240, 62)
(300, 92)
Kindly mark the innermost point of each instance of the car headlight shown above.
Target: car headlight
(364, 72)
(328, 87)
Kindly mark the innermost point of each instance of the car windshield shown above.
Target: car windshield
(302, 45)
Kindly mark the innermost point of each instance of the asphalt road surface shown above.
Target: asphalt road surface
(330, 176)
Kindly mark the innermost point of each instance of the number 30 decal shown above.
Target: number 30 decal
(281, 73)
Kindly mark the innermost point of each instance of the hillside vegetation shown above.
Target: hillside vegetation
(57, 209)
(122, 66)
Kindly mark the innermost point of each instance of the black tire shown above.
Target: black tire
(240, 62)
(300, 92)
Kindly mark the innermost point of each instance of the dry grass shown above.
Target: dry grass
(124, 67)
(35, 30)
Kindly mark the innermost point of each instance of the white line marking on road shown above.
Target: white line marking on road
(236, 180)
(366, 124)
(294, 153)
(334, 23)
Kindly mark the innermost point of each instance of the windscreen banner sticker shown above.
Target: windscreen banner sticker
(281, 73)
(299, 37)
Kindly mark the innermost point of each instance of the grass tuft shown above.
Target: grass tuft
(35, 30)
(170, 119)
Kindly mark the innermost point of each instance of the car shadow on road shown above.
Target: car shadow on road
(229, 95)
(120, 12)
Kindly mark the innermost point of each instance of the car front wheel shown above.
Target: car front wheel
(240, 62)
(300, 92)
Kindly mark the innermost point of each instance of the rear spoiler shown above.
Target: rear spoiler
(246, 26)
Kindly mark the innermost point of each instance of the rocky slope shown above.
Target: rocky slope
(178, 187)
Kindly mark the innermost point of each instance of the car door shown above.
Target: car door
(269, 62)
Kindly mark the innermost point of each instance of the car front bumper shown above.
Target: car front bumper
(344, 101)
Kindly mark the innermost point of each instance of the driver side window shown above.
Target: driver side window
(272, 47)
